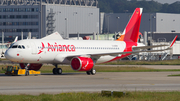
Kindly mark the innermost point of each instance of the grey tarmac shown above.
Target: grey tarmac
(81, 82)
(145, 66)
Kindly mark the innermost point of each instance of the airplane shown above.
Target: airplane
(82, 55)
(4, 47)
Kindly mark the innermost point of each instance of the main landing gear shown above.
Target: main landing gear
(92, 71)
(27, 69)
(57, 70)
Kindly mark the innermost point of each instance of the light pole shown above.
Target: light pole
(2, 37)
(153, 17)
(41, 19)
(67, 34)
(150, 24)
(117, 28)
(108, 26)
(117, 23)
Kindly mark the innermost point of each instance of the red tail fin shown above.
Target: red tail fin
(131, 32)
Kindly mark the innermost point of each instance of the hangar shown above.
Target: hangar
(44, 17)
(162, 27)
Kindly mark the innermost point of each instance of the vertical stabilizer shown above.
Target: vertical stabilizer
(131, 32)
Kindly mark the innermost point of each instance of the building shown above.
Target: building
(161, 1)
(45, 17)
(158, 25)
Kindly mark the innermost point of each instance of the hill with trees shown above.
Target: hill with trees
(124, 6)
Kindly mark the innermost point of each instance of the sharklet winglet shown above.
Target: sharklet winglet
(172, 43)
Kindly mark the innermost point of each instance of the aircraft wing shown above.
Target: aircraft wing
(53, 36)
(147, 47)
(154, 46)
(130, 52)
(138, 51)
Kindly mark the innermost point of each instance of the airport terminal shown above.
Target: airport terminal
(41, 18)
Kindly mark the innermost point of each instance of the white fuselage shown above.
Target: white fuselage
(58, 51)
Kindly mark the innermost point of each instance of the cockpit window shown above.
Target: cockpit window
(19, 46)
(11, 45)
(15, 46)
(23, 47)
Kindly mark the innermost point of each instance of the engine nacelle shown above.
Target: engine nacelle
(33, 66)
(82, 63)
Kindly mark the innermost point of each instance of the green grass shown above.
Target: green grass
(48, 69)
(130, 69)
(127, 62)
(174, 75)
(83, 96)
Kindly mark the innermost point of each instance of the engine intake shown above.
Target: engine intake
(82, 64)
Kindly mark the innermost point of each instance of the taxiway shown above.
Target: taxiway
(80, 82)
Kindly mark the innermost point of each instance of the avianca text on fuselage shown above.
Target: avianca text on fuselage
(57, 48)
(60, 48)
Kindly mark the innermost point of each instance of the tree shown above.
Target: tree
(122, 6)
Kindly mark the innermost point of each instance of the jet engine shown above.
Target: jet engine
(32, 66)
(82, 63)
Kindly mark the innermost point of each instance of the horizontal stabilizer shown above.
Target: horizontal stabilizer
(53, 36)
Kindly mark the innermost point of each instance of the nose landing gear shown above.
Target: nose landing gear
(27, 69)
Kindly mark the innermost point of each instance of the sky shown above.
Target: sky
(165, 1)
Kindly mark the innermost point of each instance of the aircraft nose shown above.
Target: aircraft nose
(8, 55)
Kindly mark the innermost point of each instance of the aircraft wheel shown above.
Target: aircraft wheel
(55, 71)
(93, 71)
(59, 71)
(27, 73)
(88, 72)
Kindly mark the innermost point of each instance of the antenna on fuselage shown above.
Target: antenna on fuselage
(29, 35)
